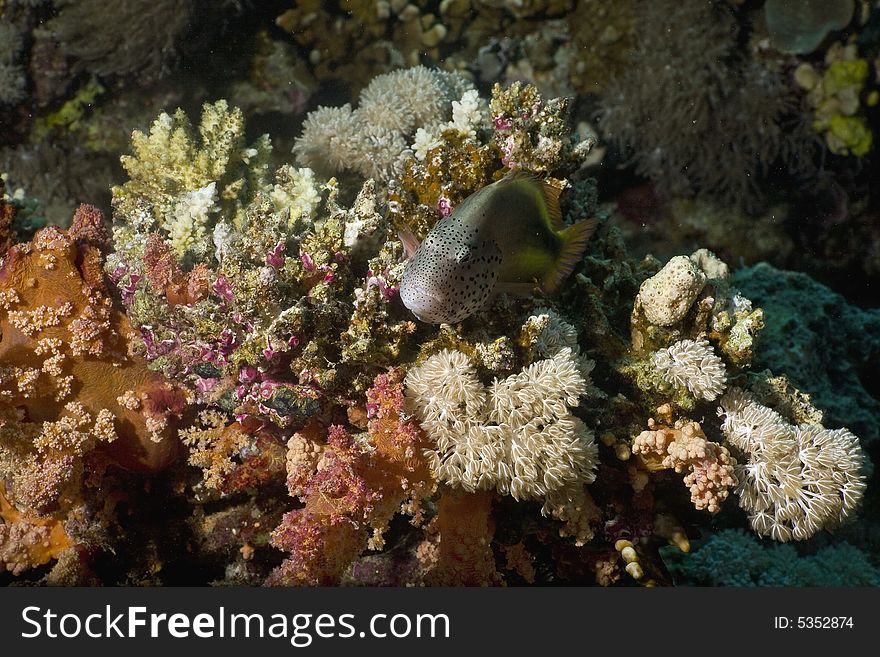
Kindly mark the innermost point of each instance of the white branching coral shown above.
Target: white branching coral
(517, 436)
(796, 480)
(469, 113)
(295, 190)
(694, 365)
(373, 140)
(423, 142)
(187, 225)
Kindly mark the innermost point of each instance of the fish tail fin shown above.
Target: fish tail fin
(574, 243)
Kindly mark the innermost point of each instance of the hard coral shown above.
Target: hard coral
(666, 297)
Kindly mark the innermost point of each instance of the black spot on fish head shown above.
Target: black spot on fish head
(442, 284)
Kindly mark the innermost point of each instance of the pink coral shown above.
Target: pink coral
(88, 227)
(685, 447)
(350, 488)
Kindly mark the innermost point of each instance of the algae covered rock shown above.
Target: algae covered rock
(668, 295)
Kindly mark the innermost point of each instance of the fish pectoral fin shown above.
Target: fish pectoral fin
(575, 240)
(410, 242)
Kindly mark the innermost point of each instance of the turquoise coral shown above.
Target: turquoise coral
(733, 558)
(800, 26)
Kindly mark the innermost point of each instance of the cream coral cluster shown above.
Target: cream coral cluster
(694, 365)
(398, 113)
(517, 436)
(796, 480)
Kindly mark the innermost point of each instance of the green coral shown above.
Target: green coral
(839, 96)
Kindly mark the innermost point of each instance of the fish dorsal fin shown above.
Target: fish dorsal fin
(574, 244)
(410, 242)
(549, 191)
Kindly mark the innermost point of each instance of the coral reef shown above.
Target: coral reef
(691, 298)
(377, 38)
(65, 355)
(245, 313)
(561, 46)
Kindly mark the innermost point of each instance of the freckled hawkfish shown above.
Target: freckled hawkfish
(506, 237)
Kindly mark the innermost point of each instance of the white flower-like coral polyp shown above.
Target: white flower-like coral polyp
(797, 480)
(694, 365)
(517, 436)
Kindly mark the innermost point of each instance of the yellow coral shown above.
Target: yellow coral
(838, 97)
